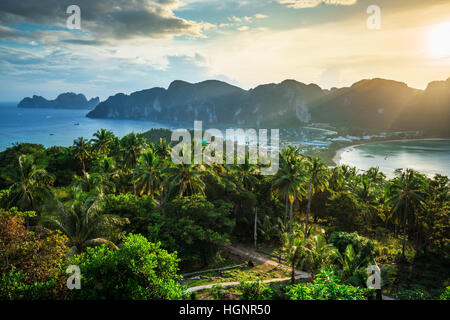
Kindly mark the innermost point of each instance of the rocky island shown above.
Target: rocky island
(63, 101)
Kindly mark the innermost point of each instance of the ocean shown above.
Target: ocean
(60, 127)
(427, 156)
(51, 127)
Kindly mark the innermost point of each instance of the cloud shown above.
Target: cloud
(106, 19)
(260, 16)
(6, 32)
(243, 28)
(301, 4)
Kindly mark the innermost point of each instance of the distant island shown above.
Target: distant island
(373, 104)
(68, 100)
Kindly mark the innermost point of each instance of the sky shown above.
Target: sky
(130, 45)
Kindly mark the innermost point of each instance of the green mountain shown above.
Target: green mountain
(376, 104)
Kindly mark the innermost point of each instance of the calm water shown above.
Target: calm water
(427, 156)
(60, 127)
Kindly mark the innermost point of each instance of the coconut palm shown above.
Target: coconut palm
(375, 175)
(288, 180)
(320, 253)
(106, 167)
(163, 149)
(337, 180)
(102, 140)
(293, 247)
(406, 191)
(84, 223)
(82, 151)
(184, 179)
(30, 184)
(133, 145)
(318, 180)
(349, 261)
(147, 174)
(247, 175)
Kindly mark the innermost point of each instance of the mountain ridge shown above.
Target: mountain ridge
(378, 104)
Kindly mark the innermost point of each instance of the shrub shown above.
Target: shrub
(14, 286)
(363, 247)
(414, 293)
(218, 292)
(326, 287)
(255, 291)
(138, 270)
(446, 294)
(31, 263)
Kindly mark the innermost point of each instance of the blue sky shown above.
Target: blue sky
(125, 46)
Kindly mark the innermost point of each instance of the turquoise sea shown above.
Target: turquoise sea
(51, 127)
(60, 127)
(427, 156)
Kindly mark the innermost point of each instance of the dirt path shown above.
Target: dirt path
(253, 255)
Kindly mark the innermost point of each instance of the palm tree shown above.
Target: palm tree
(288, 180)
(248, 178)
(184, 179)
(337, 179)
(406, 191)
(30, 184)
(84, 223)
(163, 149)
(133, 145)
(318, 180)
(82, 151)
(375, 175)
(350, 262)
(88, 183)
(147, 174)
(107, 168)
(320, 253)
(294, 249)
(365, 193)
(102, 139)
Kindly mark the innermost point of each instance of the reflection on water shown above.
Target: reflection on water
(427, 156)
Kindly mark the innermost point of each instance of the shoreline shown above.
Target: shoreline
(338, 155)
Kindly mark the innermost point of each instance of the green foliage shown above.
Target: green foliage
(255, 291)
(140, 270)
(446, 294)
(326, 287)
(154, 135)
(413, 293)
(140, 211)
(14, 286)
(363, 247)
(194, 227)
(60, 164)
(30, 262)
(218, 292)
(84, 222)
(91, 189)
(345, 212)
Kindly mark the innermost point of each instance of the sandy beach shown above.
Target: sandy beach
(338, 156)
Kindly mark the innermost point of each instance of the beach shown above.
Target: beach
(338, 156)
